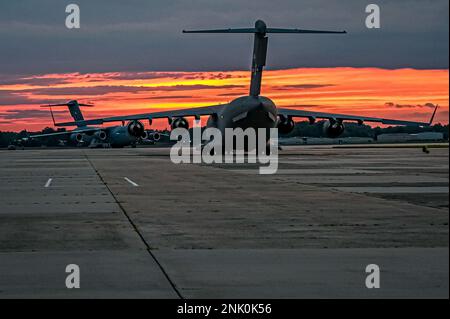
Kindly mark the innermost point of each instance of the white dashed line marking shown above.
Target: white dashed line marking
(48, 183)
(131, 182)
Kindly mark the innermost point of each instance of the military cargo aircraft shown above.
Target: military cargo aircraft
(114, 136)
(251, 111)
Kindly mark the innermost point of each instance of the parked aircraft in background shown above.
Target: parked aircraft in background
(114, 136)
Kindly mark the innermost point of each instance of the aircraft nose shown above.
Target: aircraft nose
(259, 116)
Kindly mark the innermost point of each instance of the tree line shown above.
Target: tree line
(303, 129)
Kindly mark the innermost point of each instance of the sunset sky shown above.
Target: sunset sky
(130, 56)
(403, 94)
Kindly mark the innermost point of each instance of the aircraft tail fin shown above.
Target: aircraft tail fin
(74, 109)
(260, 47)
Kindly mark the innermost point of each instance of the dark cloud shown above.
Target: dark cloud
(146, 75)
(85, 91)
(102, 90)
(27, 114)
(20, 97)
(232, 94)
(404, 106)
(143, 35)
(305, 106)
(19, 79)
(164, 97)
(17, 97)
(302, 86)
(49, 80)
(8, 97)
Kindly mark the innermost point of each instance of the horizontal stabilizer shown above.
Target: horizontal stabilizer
(277, 30)
(67, 104)
(268, 30)
(261, 28)
(53, 105)
(243, 30)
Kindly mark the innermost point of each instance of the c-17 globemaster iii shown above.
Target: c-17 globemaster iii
(253, 111)
(114, 136)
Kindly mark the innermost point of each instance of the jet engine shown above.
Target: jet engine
(101, 135)
(136, 129)
(333, 128)
(179, 122)
(153, 136)
(285, 124)
(76, 137)
(156, 136)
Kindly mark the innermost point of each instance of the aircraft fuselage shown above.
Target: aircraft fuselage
(246, 112)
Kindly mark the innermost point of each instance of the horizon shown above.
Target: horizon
(404, 93)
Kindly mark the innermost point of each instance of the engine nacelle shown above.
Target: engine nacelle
(145, 135)
(333, 128)
(152, 136)
(156, 136)
(179, 122)
(101, 135)
(76, 137)
(285, 124)
(136, 129)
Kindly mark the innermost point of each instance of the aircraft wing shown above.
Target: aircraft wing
(87, 130)
(360, 119)
(214, 109)
(199, 111)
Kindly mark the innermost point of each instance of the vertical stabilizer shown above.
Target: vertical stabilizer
(259, 57)
(260, 47)
(74, 109)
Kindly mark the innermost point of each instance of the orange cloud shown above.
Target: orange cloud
(402, 94)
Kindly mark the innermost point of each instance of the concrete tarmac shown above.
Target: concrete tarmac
(140, 226)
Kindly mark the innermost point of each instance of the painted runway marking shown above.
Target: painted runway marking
(131, 182)
(48, 183)
(395, 190)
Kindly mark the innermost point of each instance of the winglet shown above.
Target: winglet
(53, 116)
(434, 114)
